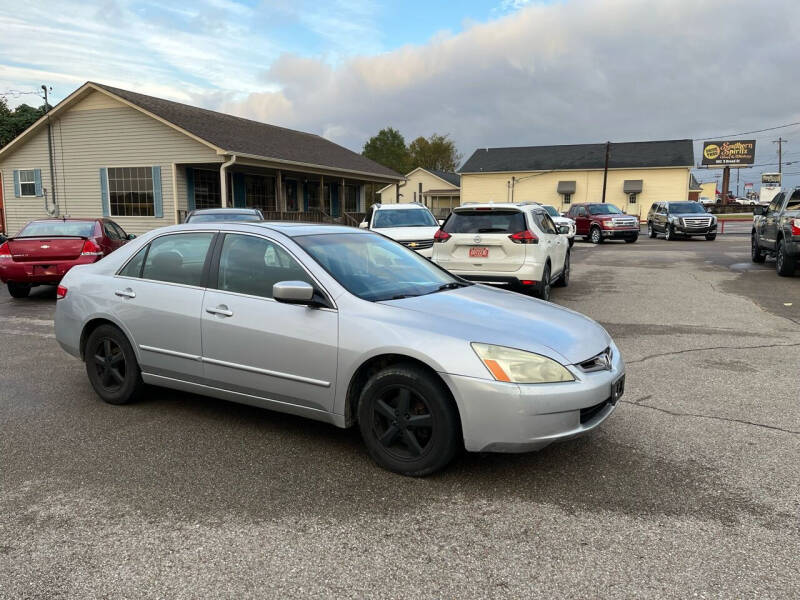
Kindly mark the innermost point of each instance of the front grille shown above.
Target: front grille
(696, 221)
(587, 414)
(417, 244)
(629, 222)
(599, 362)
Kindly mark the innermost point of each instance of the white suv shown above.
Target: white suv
(411, 224)
(507, 244)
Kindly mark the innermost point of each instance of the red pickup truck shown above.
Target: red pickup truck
(43, 251)
(598, 222)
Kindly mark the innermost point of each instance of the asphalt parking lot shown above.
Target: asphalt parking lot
(691, 489)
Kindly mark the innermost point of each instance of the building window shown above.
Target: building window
(130, 191)
(206, 189)
(312, 193)
(350, 198)
(632, 198)
(27, 182)
(567, 198)
(259, 192)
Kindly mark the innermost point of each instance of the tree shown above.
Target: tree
(388, 148)
(438, 152)
(14, 122)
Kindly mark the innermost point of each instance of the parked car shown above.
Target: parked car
(209, 215)
(507, 244)
(685, 219)
(776, 232)
(343, 326)
(44, 250)
(412, 224)
(559, 220)
(706, 201)
(599, 222)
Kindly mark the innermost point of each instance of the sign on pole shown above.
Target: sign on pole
(771, 179)
(732, 153)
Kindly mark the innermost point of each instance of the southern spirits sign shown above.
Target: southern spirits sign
(731, 153)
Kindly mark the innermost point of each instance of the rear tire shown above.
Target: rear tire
(408, 421)
(756, 253)
(542, 290)
(18, 290)
(112, 366)
(595, 235)
(571, 242)
(785, 265)
(563, 279)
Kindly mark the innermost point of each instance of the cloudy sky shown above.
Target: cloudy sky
(489, 73)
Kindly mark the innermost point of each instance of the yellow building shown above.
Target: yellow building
(438, 190)
(709, 189)
(639, 174)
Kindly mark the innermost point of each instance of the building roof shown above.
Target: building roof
(668, 153)
(448, 176)
(234, 135)
(694, 185)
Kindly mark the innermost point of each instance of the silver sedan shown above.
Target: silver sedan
(343, 326)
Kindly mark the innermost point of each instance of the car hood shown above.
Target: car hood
(562, 220)
(682, 215)
(480, 313)
(402, 234)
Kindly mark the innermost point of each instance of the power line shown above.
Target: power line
(714, 137)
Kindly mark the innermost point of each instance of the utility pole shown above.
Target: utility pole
(50, 150)
(780, 141)
(605, 171)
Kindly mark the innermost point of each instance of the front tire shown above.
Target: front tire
(18, 290)
(650, 231)
(756, 253)
(595, 235)
(711, 237)
(112, 366)
(631, 240)
(785, 265)
(669, 233)
(563, 279)
(408, 421)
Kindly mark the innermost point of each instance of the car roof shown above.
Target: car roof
(72, 219)
(224, 211)
(400, 205)
(535, 206)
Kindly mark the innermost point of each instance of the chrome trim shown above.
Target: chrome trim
(170, 352)
(289, 376)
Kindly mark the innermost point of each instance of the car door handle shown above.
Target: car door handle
(220, 310)
(126, 293)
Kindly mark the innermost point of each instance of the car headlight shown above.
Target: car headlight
(518, 366)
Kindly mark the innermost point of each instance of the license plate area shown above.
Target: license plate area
(617, 389)
(479, 252)
(45, 270)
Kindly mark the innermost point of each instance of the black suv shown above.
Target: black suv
(684, 219)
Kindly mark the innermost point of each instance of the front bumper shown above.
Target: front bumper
(507, 417)
(689, 231)
(619, 233)
(39, 272)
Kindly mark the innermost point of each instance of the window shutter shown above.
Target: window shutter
(158, 204)
(190, 189)
(37, 179)
(16, 184)
(239, 200)
(104, 191)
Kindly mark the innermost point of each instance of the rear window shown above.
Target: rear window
(54, 228)
(494, 221)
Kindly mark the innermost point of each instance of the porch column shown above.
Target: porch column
(321, 201)
(362, 198)
(279, 192)
(342, 199)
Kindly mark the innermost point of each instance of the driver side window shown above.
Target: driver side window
(775, 205)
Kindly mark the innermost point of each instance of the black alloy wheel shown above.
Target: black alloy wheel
(111, 365)
(756, 254)
(402, 423)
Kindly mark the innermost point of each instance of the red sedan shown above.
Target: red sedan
(43, 251)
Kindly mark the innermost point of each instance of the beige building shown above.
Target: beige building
(438, 190)
(709, 189)
(145, 162)
(639, 173)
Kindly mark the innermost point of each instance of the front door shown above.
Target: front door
(581, 221)
(257, 346)
(769, 227)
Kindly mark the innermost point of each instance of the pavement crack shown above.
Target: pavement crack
(687, 350)
(712, 417)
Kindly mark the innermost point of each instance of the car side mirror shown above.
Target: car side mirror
(131, 236)
(363, 225)
(759, 210)
(293, 292)
(563, 229)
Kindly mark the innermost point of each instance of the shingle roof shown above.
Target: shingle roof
(694, 185)
(668, 153)
(238, 135)
(448, 176)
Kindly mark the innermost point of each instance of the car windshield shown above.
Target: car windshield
(686, 207)
(551, 210)
(68, 228)
(485, 221)
(403, 217)
(209, 217)
(604, 209)
(375, 268)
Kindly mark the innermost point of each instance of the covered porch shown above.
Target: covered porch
(442, 202)
(281, 194)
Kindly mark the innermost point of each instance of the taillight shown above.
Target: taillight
(90, 248)
(441, 236)
(5, 251)
(795, 224)
(524, 237)
(61, 292)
